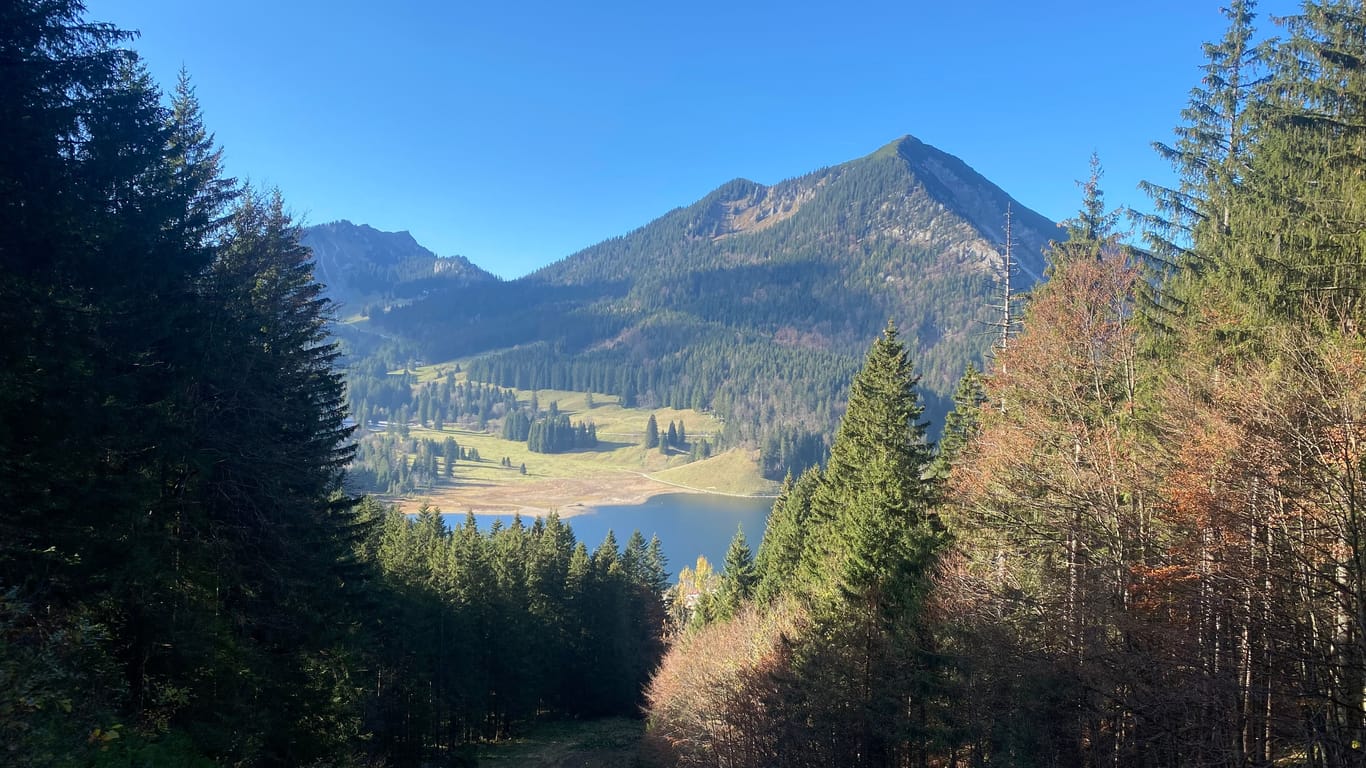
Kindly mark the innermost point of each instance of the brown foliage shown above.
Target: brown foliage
(715, 698)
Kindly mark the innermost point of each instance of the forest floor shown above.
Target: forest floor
(609, 743)
(620, 471)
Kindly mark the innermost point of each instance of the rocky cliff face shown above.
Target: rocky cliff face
(359, 264)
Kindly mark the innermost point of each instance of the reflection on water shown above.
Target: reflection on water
(688, 524)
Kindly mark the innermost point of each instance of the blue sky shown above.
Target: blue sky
(515, 133)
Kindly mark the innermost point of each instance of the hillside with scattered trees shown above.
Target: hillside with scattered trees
(1139, 542)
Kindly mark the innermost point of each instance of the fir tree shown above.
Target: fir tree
(1193, 220)
(656, 567)
(871, 507)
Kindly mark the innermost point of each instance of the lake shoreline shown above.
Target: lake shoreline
(569, 497)
(687, 524)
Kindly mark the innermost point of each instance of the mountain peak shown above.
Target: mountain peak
(757, 297)
(402, 240)
(900, 146)
(905, 195)
(357, 263)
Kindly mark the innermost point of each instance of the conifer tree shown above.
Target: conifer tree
(778, 563)
(656, 567)
(651, 432)
(196, 170)
(867, 565)
(1193, 224)
(962, 423)
(737, 577)
(1211, 145)
(1092, 230)
(870, 508)
(1303, 184)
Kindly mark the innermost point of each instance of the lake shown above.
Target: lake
(688, 524)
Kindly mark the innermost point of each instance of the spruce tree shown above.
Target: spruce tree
(870, 510)
(737, 578)
(866, 571)
(962, 423)
(651, 432)
(1092, 230)
(1210, 145)
(656, 567)
(778, 563)
(1193, 223)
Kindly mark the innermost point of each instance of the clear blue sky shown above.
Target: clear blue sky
(517, 133)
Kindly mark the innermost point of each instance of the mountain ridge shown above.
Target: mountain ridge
(756, 300)
(944, 178)
(357, 263)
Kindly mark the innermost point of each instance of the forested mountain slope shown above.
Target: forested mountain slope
(752, 300)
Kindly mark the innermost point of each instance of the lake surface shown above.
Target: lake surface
(688, 524)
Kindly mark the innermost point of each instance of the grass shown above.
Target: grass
(620, 459)
(609, 743)
(735, 473)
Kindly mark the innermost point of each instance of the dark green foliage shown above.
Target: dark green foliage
(872, 538)
(962, 423)
(390, 463)
(792, 451)
(478, 632)
(865, 571)
(859, 682)
(777, 565)
(651, 432)
(165, 349)
(1210, 149)
(394, 397)
(517, 426)
(737, 578)
(556, 434)
(1092, 230)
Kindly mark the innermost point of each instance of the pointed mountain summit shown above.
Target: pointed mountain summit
(358, 263)
(758, 300)
(907, 192)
